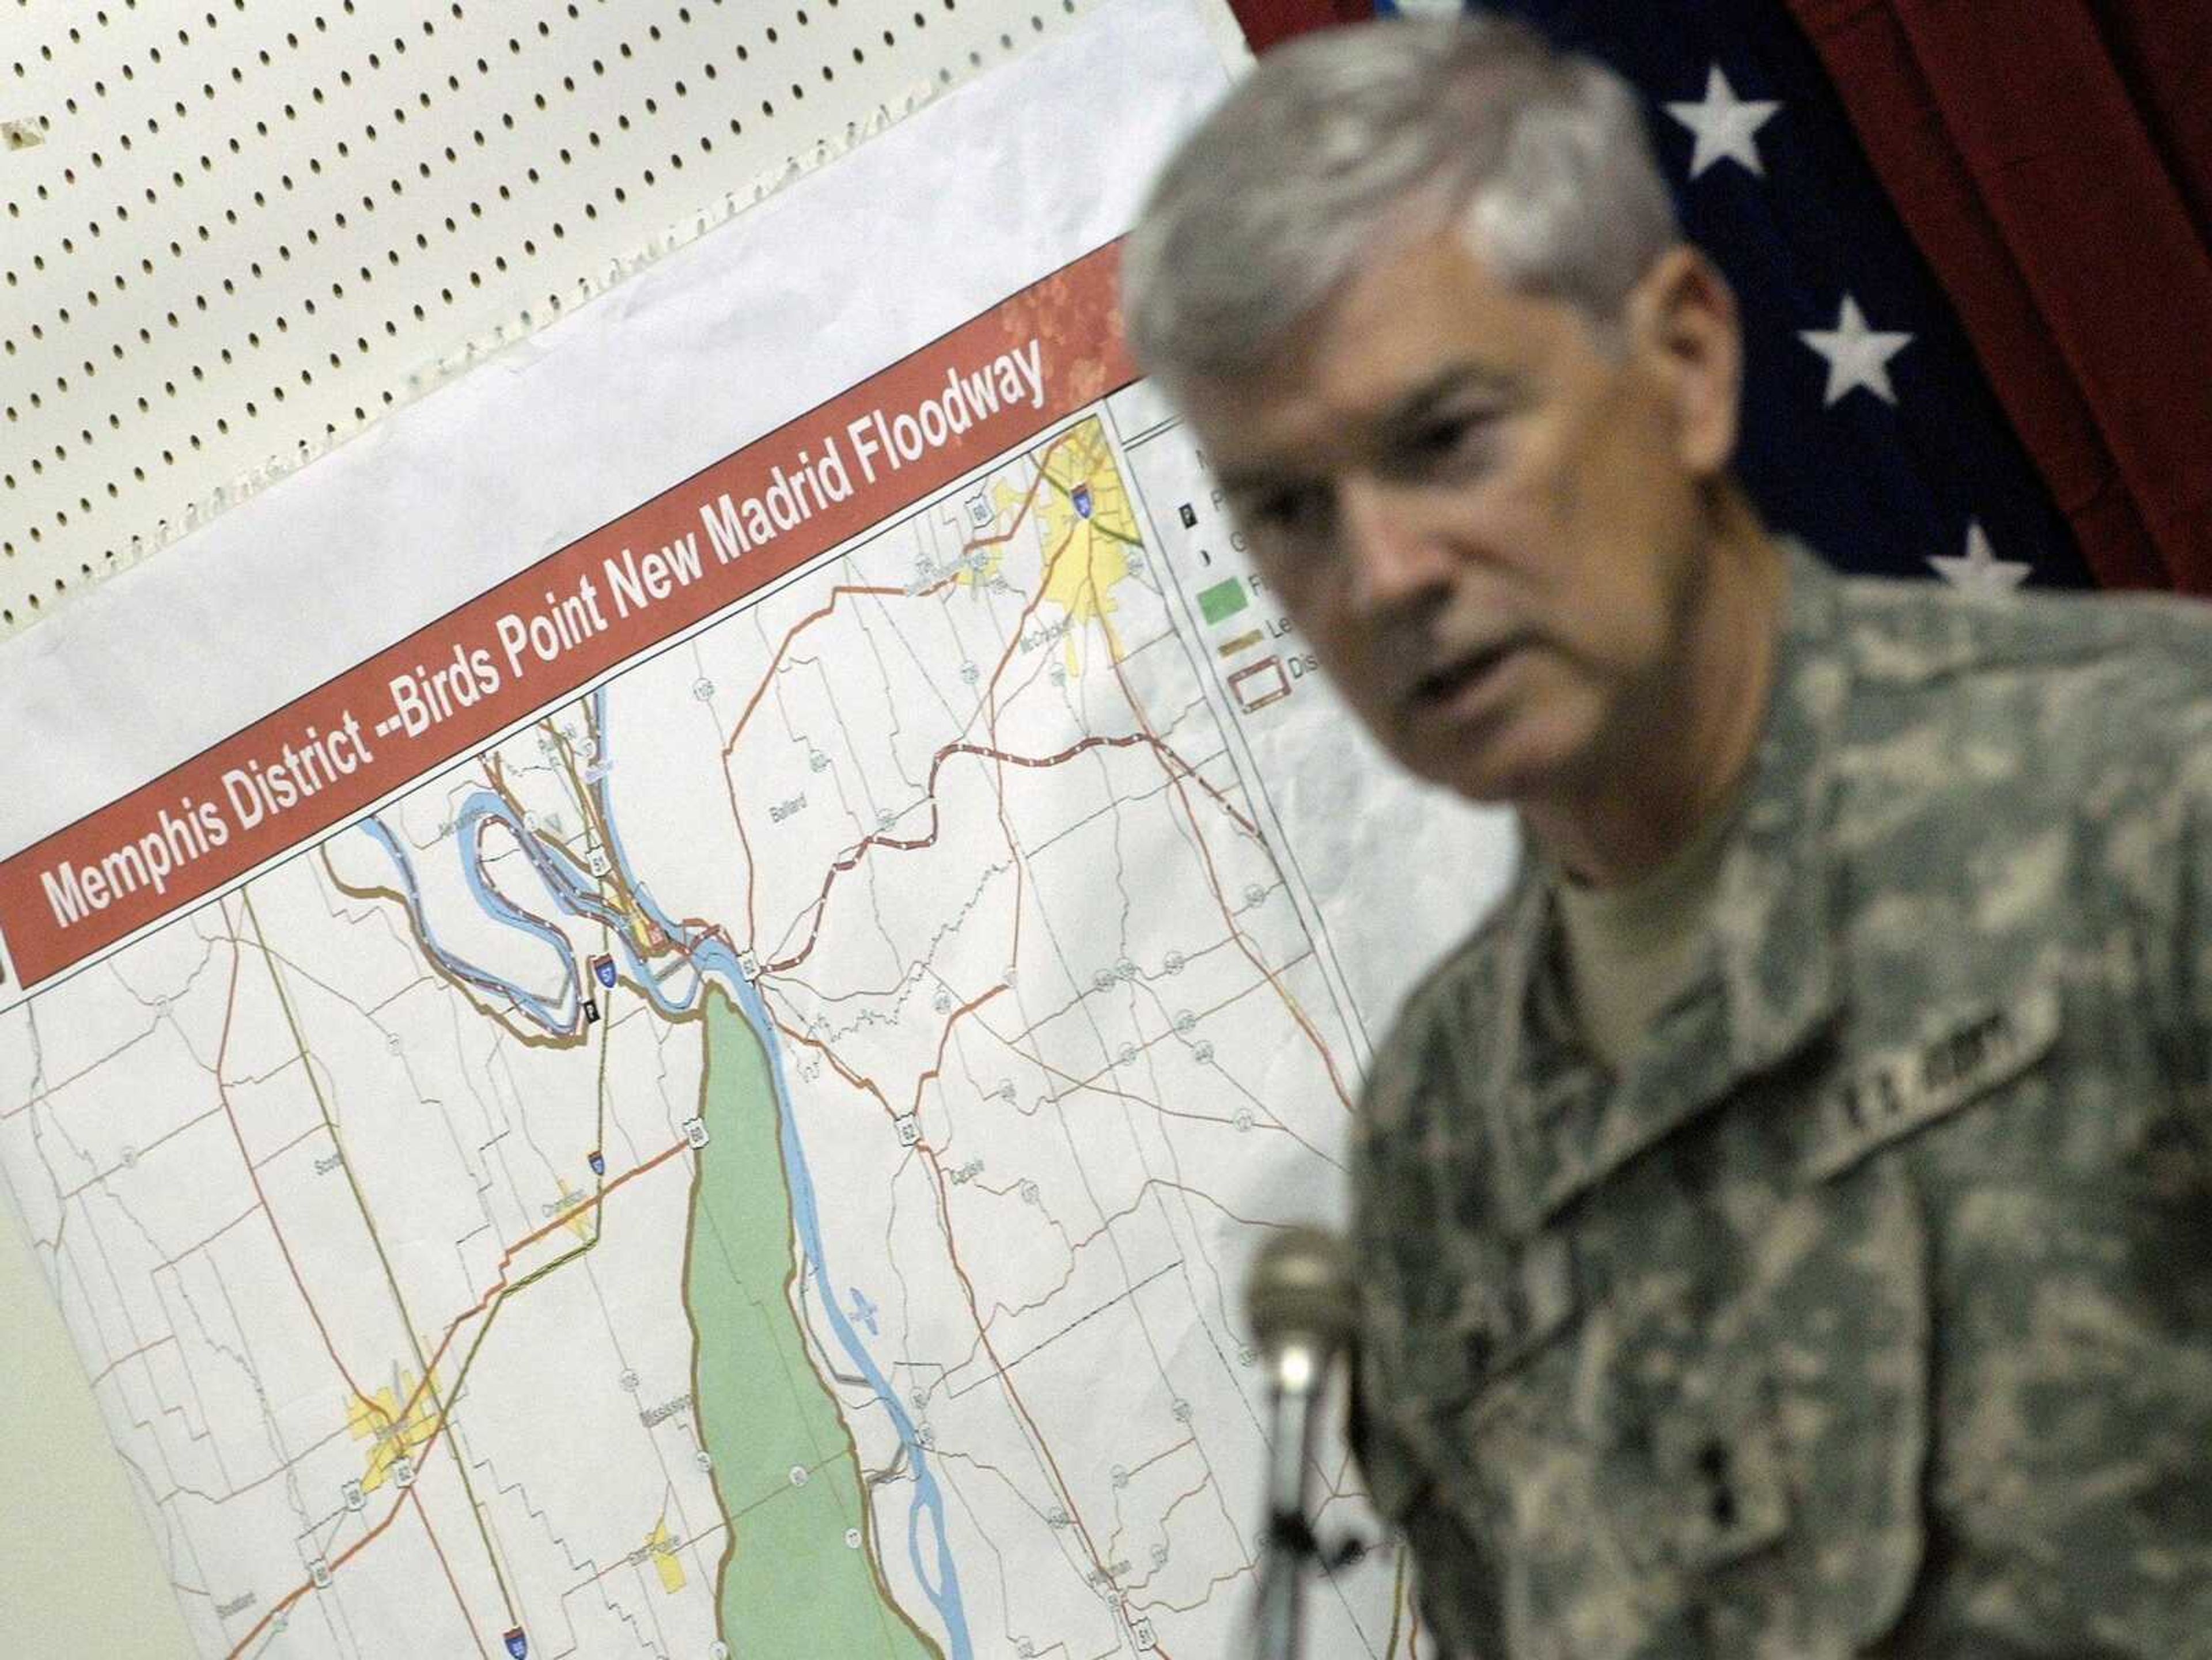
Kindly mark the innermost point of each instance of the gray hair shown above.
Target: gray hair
(1344, 141)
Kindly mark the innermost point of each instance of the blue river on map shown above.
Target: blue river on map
(574, 888)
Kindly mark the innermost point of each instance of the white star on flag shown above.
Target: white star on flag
(1857, 355)
(1980, 571)
(1725, 125)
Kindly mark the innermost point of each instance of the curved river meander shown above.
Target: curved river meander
(791, 1584)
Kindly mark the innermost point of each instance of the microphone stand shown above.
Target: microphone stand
(1289, 1546)
(1299, 1301)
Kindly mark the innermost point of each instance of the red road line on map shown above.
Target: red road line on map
(1005, 1377)
(1213, 881)
(407, 1411)
(506, 1261)
(439, 1551)
(1014, 848)
(165, 1137)
(929, 1156)
(952, 1252)
(102, 1375)
(1021, 512)
(865, 1084)
(1176, 772)
(916, 844)
(507, 1255)
(205, 1240)
(1013, 641)
(254, 1176)
(791, 635)
(852, 859)
(945, 1037)
(729, 786)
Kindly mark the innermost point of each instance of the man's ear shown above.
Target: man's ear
(1683, 326)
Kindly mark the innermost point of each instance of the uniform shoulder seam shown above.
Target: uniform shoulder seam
(1905, 632)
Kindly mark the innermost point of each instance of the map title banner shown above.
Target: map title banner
(550, 628)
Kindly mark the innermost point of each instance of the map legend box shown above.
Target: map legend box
(1222, 601)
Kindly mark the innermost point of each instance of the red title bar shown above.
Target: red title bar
(554, 627)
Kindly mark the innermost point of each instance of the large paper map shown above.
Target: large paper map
(713, 1100)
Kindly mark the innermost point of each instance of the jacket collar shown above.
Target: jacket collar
(1767, 981)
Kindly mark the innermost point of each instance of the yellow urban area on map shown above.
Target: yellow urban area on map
(377, 1419)
(665, 1559)
(1088, 530)
(580, 1214)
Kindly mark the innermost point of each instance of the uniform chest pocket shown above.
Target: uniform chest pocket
(1736, 1474)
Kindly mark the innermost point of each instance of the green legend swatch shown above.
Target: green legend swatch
(1222, 601)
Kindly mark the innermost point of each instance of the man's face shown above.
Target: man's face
(1484, 517)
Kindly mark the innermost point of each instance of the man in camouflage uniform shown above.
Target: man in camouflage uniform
(1785, 1226)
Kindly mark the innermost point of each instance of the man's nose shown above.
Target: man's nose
(1394, 545)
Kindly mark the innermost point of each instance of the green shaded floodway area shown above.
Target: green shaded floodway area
(792, 1584)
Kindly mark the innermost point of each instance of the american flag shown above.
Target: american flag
(1869, 429)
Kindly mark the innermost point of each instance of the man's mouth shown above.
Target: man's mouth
(1447, 684)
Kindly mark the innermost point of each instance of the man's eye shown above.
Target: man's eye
(1287, 511)
(1458, 439)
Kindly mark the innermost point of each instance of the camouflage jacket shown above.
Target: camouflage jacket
(1870, 1311)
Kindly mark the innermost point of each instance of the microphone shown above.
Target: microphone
(1299, 1303)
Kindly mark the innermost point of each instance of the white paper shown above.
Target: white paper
(762, 1152)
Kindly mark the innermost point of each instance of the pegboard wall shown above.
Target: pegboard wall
(239, 232)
